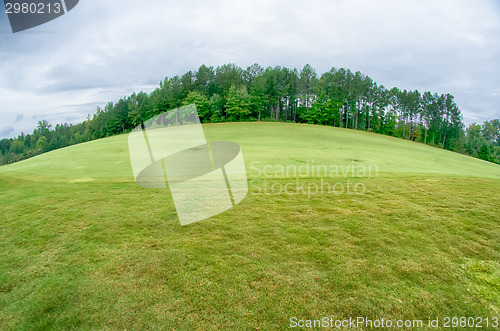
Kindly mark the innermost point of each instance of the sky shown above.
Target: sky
(101, 51)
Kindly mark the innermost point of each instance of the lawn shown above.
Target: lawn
(82, 246)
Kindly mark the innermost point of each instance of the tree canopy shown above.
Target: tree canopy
(339, 98)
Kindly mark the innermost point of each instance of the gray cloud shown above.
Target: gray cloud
(6, 130)
(104, 50)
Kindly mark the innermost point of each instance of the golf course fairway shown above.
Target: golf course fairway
(337, 223)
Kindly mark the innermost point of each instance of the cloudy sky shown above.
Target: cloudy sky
(103, 50)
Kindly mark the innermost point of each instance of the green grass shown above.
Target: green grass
(82, 246)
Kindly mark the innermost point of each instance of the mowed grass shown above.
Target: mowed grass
(83, 247)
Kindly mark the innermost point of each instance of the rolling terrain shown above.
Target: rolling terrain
(368, 225)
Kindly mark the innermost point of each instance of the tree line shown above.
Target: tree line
(339, 98)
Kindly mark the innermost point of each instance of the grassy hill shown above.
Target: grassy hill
(81, 245)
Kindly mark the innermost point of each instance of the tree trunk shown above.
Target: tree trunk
(347, 117)
(286, 111)
(357, 116)
(366, 124)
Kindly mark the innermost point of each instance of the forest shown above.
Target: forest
(228, 93)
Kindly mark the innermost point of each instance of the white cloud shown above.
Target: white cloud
(103, 50)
